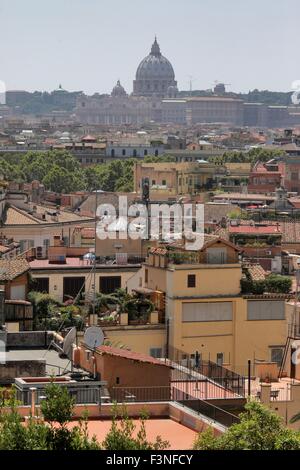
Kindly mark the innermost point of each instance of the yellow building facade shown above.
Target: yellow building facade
(206, 312)
(174, 178)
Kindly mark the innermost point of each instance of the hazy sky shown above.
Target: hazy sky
(89, 44)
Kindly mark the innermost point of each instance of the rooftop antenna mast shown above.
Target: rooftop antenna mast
(191, 80)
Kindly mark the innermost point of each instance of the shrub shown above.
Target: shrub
(278, 283)
(259, 429)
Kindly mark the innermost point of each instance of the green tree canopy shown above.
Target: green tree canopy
(259, 429)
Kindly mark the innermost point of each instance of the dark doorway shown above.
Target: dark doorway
(109, 284)
(72, 286)
(41, 284)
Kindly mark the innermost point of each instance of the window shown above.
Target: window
(109, 284)
(191, 280)
(73, 287)
(206, 311)
(112, 152)
(164, 183)
(134, 152)
(41, 284)
(294, 176)
(145, 152)
(156, 153)
(276, 355)
(117, 380)
(146, 276)
(66, 241)
(153, 182)
(265, 310)
(123, 152)
(156, 352)
(220, 359)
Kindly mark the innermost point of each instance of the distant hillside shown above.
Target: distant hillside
(254, 96)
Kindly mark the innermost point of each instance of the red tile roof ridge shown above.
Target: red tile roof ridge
(127, 354)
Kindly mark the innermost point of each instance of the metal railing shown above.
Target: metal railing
(140, 394)
(187, 365)
(276, 394)
(81, 395)
(186, 397)
(202, 389)
(211, 411)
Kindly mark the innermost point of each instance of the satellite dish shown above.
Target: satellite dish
(68, 342)
(93, 337)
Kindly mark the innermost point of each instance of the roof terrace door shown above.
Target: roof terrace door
(73, 286)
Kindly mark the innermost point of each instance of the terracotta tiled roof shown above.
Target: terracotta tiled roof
(158, 251)
(12, 268)
(219, 240)
(134, 356)
(15, 216)
(222, 233)
(263, 229)
(256, 272)
(290, 232)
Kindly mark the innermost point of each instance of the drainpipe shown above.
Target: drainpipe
(249, 378)
(94, 367)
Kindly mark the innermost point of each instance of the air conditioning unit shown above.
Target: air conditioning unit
(41, 252)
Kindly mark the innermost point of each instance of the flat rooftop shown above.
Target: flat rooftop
(54, 364)
(76, 262)
(179, 436)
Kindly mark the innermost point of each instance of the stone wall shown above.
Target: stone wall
(21, 368)
(29, 339)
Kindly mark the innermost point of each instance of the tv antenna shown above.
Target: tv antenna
(191, 81)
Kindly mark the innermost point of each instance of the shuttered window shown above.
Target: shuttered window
(206, 311)
(265, 310)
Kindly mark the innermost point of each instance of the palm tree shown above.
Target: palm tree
(106, 301)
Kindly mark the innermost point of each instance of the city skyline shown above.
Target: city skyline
(89, 45)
